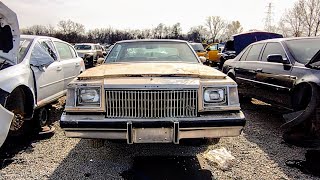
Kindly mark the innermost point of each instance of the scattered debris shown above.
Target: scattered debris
(221, 157)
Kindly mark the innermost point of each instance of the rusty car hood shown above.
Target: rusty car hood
(151, 70)
(9, 35)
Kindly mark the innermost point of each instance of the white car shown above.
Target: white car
(34, 71)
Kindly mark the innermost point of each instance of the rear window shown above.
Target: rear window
(82, 47)
(197, 47)
(152, 52)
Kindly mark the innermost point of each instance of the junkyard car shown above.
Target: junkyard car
(198, 48)
(213, 57)
(34, 71)
(90, 53)
(282, 72)
(152, 91)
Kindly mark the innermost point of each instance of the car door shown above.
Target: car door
(47, 71)
(99, 51)
(69, 62)
(275, 81)
(245, 70)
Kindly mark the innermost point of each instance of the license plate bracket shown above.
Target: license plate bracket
(152, 135)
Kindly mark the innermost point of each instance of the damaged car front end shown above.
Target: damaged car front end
(6, 117)
(163, 97)
(9, 44)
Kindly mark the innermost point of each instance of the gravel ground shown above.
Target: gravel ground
(260, 154)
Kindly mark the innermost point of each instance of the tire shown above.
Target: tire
(16, 104)
(303, 130)
(41, 117)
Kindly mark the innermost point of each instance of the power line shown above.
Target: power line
(269, 18)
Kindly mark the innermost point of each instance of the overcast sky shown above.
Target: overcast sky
(140, 14)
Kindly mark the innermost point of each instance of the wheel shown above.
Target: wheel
(303, 125)
(16, 104)
(41, 117)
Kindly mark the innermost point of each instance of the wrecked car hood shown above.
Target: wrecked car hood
(9, 35)
(151, 70)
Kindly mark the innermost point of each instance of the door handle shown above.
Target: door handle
(259, 70)
(77, 64)
(59, 68)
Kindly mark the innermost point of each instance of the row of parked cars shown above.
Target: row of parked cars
(283, 72)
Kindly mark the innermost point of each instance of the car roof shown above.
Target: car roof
(284, 39)
(34, 37)
(152, 40)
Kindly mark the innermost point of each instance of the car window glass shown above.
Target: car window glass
(47, 44)
(23, 48)
(213, 47)
(152, 52)
(254, 52)
(273, 48)
(73, 52)
(244, 55)
(40, 55)
(63, 50)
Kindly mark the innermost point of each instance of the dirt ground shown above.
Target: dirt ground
(260, 154)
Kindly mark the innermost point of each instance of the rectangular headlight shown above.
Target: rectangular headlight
(88, 96)
(214, 95)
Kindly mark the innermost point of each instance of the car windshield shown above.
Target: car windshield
(303, 50)
(151, 52)
(82, 47)
(197, 47)
(23, 48)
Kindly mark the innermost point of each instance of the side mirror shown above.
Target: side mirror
(202, 59)
(277, 58)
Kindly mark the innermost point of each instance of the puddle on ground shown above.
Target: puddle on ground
(164, 167)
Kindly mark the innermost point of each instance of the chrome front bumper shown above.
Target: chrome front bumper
(153, 130)
(6, 118)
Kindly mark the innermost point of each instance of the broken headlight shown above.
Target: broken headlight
(88, 96)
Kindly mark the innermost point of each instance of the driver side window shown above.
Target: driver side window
(42, 54)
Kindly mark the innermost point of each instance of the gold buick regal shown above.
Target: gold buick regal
(152, 91)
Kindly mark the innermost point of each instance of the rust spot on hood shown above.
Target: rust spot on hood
(151, 70)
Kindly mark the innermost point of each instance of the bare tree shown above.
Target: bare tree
(292, 18)
(35, 30)
(308, 10)
(69, 27)
(215, 24)
(232, 28)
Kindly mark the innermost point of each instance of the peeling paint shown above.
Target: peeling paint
(151, 70)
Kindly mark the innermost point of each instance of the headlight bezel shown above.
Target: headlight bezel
(80, 102)
(73, 93)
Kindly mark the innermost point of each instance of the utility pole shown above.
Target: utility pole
(269, 18)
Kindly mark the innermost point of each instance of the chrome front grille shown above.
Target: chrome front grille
(151, 103)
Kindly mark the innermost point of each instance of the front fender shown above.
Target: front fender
(15, 76)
